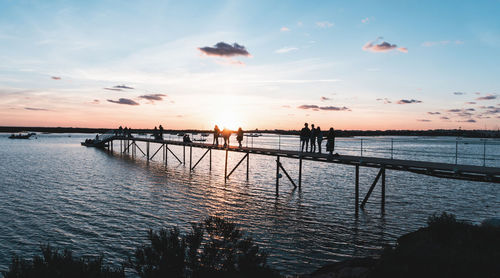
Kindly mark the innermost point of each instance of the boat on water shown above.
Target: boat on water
(200, 140)
(253, 135)
(205, 135)
(21, 136)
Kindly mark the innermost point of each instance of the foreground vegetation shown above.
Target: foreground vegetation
(214, 248)
(218, 248)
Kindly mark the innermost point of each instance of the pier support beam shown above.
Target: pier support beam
(210, 167)
(286, 174)
(356, 190)
(382, 171)
(238, 164)
(160, 148)
(277, 174)
(147, 151)
(190, 156)
(382, 205)
(168, 149)
(300, 171)
(209, 150)
(248, 163)
(225, 166)
(184, 154)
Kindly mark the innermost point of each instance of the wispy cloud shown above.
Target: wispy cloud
(385, 100)
(123, 87)
(468, 121)
(285, 106)
(408, 101)
(153, 97)
(286, 50)
(434, 113)
(56, 77)
(223, 49)
(36, 109)
(470, 102)
(424, 120)
(458, 93)
(384, 46)
(444, 118)
(325, 98)
(487, 97)
(125, 101)
(113, 89)
(327, 108)
(324, 24)
(284, 29)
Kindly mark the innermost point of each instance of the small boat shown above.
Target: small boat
(200, 140)
(205, 135)
(180, 134)
(253, 135)
(20, 136)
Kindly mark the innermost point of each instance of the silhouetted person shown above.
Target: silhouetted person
(305, 133)
(330, 141)
(120, 130)
(319, 137)
(216, 135)
(312, 138)
(186, 139)
(161, 132)
(239, 136)
(155, 133)
(125, 131)
(226, 133)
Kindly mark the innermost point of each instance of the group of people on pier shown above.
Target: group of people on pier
(315, 135)
(158, 133)
(127, 132)
(226, 134)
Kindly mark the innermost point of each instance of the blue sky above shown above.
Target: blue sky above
(307, 62)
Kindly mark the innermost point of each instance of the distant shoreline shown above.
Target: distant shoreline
(338, 133)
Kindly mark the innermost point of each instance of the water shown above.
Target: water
(52, 190)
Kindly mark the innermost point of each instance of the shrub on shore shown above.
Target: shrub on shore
(58, 264)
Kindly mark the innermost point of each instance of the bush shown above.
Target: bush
(223, 252)
(55, 264)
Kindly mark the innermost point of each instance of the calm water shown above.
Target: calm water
(52, 190)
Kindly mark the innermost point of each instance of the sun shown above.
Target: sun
(227, 119)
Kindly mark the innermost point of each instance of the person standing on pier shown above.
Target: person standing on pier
(161, 132)
(120, 131)
(239, 136)
(313, 138)
(319, 137)
(216, 136)
(330, 141)
(226, 133)
(305, 133)
(155, 133)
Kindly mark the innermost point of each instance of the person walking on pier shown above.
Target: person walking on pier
(330, 141)
(226, 133)
(319, 138)
(239, 136)
(161, 132)
(313, 139)
(216, 135)
(305, 133)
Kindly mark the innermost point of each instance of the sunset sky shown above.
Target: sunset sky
(255, 64)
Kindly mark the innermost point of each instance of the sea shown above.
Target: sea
(95, 202)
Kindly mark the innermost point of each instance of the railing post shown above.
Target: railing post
(361, 140)
(300, 171)
(456, 151)
(190, 156)
(225, 166)
(383, 190)
(392, 147)
(184, 154)
(277, 173)
(210, 167)
(484, 152)
(248, 163)
(279, 141)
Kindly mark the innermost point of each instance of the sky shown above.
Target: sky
(358, 65)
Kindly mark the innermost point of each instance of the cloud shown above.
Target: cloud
(444, 118)
(56, 77)
(470, 102)
(326, 108)
(113, 89)
(96, 101)
(423, 120)
(123, 87)
(382, 47)
(386, 100)
(325, 98)
(125, 101)
(284, 29)
(468, 121)
(408, 101)
(487, 97)
(434, 113)
(153, 97)
(285, 106)
(458, 93)
(324, 24)
(223, 49)
(454, 110)
(36, 109)
(285, 50)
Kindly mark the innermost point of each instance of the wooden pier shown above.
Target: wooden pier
(436, 169)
